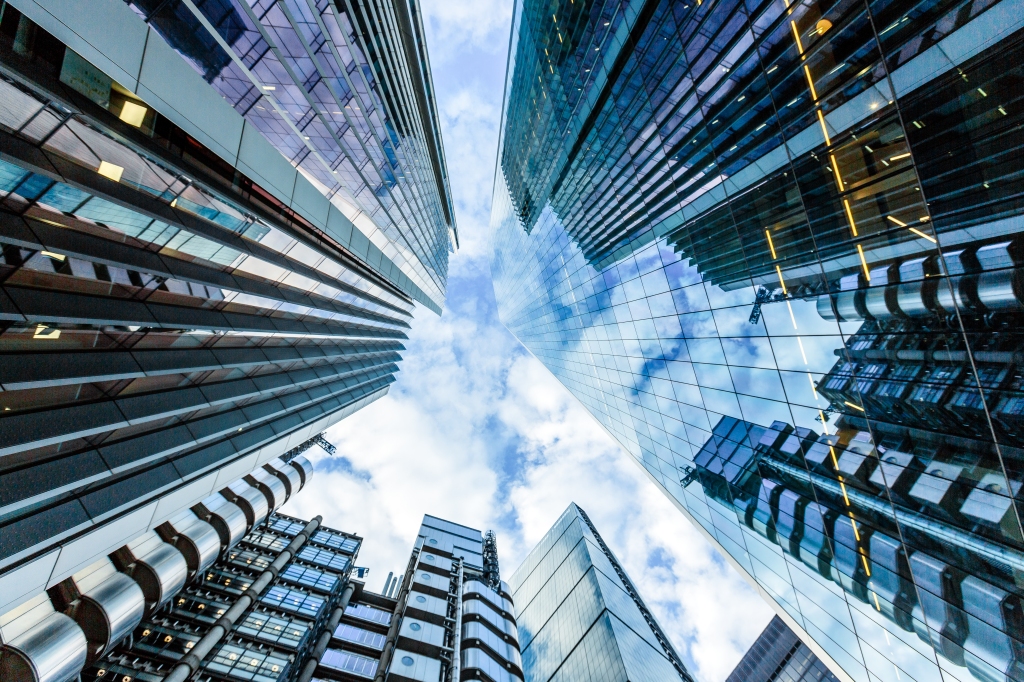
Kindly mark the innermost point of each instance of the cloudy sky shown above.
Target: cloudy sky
(477, 431)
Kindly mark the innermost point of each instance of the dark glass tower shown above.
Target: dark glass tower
(775, 248)
(182, 298)
(581, 618)
(778, 654)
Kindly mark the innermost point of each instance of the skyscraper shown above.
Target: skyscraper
(778, 654)
(581, 618)
(775, 249)
(215, 223)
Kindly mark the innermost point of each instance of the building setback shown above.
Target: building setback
(776, 249)
(211, 248)
(778, 654)
(581, 619)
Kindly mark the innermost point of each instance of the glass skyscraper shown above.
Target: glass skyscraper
(778, 654)
(580, 617)
(775, 248)
(215, 223)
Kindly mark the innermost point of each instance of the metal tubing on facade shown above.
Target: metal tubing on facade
(191, 661)
(396, 623)
(325, 639)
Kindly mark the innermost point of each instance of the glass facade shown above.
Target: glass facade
(579, 616)
(163, 315)
(778, 654)
(272, 642)
(774, 247)
(343, 91)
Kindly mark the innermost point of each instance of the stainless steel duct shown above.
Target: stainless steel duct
(106, 604)
(227, 518)
(286, 474)
(196, 539)
(54, 650)
(252, 502)
(158, 568)
(304, 467)
(269, 485)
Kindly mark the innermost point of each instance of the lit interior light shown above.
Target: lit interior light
(856, 407)
(742, 97)
(842, 486)
(878, 607)
(856, 531)
(921, 234)
(760, 126)
(110, 170)
(54, 256)
(1003, 111)
(822, 26)
(849, 217)
(824, 422)
(796, 37)
(44, 332)
(810, 82)
(802, 353)
(863, 263)
(824, 129)
(269, 88)
(924, 219)
(899, 156)
(867, 570)
(832, 451)
(896, 220)
(772, 69)
(781, 281)
(133, 114)
(814, 388)
(982, 92)
(835, 169)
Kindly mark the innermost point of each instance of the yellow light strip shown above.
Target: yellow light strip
(810, 83)
(44, 332)
(849, 216)
(55, 256)
(842, 487)
(863, 263)
(877, 605)
(856, 533)
(835, 169)
(801, 344)
(895, 220)
(856, 407)
(781, 281)
(824, 130)
(864, 560)
(921, 234)
(899, 156)
(796, 37)
(814, 389)
(835, 462)
(824, 427)
(770, 244)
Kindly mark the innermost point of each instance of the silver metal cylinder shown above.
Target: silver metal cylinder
(108, 613)
(54, 650)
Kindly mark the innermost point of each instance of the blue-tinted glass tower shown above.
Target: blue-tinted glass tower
(580, 617)
(775, 248)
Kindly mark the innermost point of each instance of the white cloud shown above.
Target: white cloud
(478, 431)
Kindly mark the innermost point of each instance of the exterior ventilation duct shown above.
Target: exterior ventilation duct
(196, 539)
(252, 502)
(269, 485)
(286, 474)
(158, 568)
(227, 519)
(305, 469)
(44, 646)
(106, 604)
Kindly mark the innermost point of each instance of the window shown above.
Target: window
(369, 613)
(363, 666)
(351, 633)
(282, 631)
(335, 541)
(309, 577)
(324, 557)
(295, 601)
(241, 662)
(289, 528)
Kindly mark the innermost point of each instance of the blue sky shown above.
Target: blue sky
(478, 431)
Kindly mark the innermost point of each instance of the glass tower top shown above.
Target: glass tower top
(343, 91)
(775, 248)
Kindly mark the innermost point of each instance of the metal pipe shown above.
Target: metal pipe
(940, 531)
(403, 597)
(325, 638)
(190, 663)
(457, 654)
